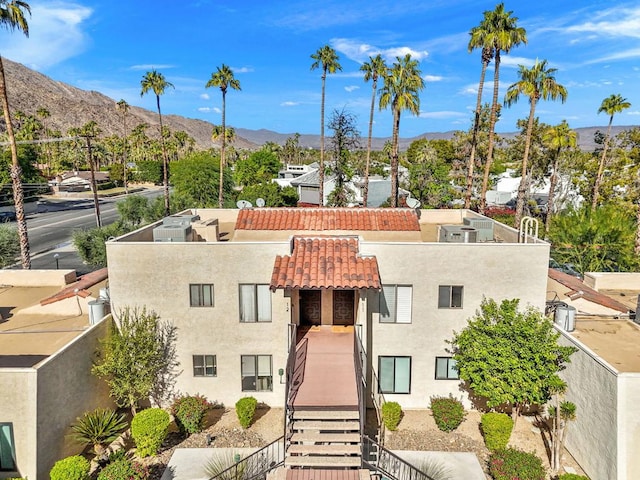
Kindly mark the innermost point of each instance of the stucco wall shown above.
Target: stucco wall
(612, 280)
(66, 389)
(18, 406)
(628, 426)
(41, 278)
(592, 437)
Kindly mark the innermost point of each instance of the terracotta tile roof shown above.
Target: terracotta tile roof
(319, 219)
(576, 285)
(329, 262)
(86, 281)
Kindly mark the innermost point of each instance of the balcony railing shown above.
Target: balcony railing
(380, 460)
(257, 465)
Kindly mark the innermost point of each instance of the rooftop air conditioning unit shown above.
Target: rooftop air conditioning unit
(565, 317)
(458, 234)
(172, 233)
(484, 226)
(185, 220)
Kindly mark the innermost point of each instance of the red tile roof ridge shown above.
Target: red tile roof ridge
(576, 285)
(79, 287)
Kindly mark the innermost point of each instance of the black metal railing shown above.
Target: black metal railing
(257, 465)
(378, 459)
(291, 363)
(376, 397)
(361, 381)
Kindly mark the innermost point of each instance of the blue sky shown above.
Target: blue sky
(108, 46)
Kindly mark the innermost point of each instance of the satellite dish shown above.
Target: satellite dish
(243, 204)
(260, 202)
(413, 202)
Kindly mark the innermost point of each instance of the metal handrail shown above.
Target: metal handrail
(361, 382)
(257, 465)
(376, 396)
(291, 363)
(377, 458)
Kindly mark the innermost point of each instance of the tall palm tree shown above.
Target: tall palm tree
(325, 58)
(557, 138)
(123, 107)
(611, 105)
(502, 34)
(480, 38)
(373, 69)
(224, 79)
(12, 17)
(537, 82)
(402, 84)
(43, 113)
(155, 81)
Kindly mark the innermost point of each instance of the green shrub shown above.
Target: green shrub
(189, 412)
(148, 429)
(99, 427)
(124, 469)
(514, 464)
(71, 468)
(391, 415)
(572, 476)
(496, 430)
(246, 409)
(448, 412)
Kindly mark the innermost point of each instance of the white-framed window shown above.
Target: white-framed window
(450, 296)
(255, 303)
(257, 375)
(7, 448)
(201, 294)
(395, 303)
(394, 374)
(205, 366)
(446, 369)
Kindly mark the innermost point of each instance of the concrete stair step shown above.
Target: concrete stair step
(323, 462)
(326, 415)
(323, 450)
(332, 425)
(325, 437)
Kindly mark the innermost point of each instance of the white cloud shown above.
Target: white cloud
(56, 32)
(351, 88)
(634, 112)
(614, 22)
(242, 69)
(289, 104)
(217, 110)
(622, 55)
(509, 61)
(432, 78)
(151, 66)
(442, 114)
(360, 52)
(205, 109)
(205, 96)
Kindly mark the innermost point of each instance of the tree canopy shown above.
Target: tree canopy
(509, 356)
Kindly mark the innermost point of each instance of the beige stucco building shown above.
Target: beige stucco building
(47, 346)
(234, 282)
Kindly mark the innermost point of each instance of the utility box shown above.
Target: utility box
(457, 234)
(172, 233)
(484, 226)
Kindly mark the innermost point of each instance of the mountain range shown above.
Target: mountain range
(70, 107)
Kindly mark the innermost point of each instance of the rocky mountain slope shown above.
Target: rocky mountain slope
(72, 107)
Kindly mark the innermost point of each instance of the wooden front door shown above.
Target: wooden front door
(310, 307)
(343, 307)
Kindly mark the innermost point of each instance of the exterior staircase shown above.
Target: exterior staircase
(324, 438)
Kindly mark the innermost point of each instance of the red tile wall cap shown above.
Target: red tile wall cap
(79, 287)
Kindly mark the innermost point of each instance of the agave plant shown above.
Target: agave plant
(219, 465)
(98, 428)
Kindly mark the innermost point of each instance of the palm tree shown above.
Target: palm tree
(43, 113)
(537, 82)
(224, 79)
(558, 138)
(402, 82)
(12, 17)
(373, 69)
(327, 59)
(502, 34)
(123, 107)
(480, 38)
(156, 82)
(611, 105)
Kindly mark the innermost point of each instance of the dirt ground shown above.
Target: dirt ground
(417, 431)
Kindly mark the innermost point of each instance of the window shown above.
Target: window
(395, 304)
(201, 294)
(446, 369)
(204, 366)
(255, 303)
(7, 448)
(256, 373)
(394, 374)
(450, 296)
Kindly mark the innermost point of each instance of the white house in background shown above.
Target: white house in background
(596, 316)
(78, 181)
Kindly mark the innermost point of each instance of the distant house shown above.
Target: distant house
(79, 181)
(47, 346)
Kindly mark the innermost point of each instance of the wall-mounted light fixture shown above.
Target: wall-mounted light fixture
(281, 373)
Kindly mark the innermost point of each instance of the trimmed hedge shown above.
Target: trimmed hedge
(572, 476)
(448, 412)
(391, 415)
(124, 469)
(71, 468)
(189, 412)
(245, 410)
(149, 428)
(514, 464)
(496, 430)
